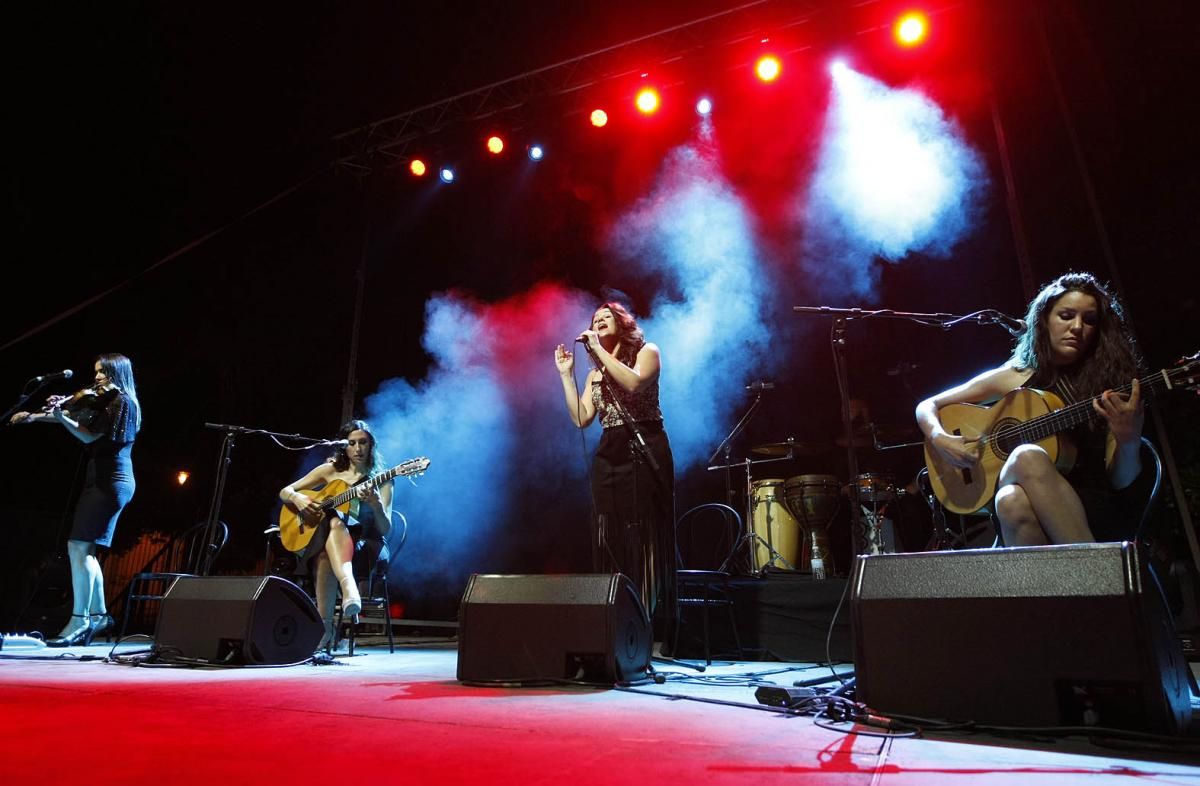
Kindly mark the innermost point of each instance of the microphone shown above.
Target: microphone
(583, 340)
(337, 443)
(66, 373)
(757, 386)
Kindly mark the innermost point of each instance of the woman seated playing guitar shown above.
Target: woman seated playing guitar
(332, 546)
(1076, 346)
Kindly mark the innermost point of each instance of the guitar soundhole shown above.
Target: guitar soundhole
(1004, 445)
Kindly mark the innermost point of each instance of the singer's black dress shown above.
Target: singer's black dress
(634, 506)
(108, 483)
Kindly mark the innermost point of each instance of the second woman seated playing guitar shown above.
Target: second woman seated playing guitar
(1076, 346)
(330, 550)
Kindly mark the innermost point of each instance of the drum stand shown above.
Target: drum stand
(752, 538)
(748, 537)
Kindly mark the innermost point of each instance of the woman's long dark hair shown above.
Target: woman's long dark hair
(119, 371)
(341, 461)
(631, 336)
(1111, 361)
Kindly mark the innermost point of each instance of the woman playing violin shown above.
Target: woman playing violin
(106, 418)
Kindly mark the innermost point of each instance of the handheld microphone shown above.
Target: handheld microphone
(757, 386)
(66, 373)
(586, 345)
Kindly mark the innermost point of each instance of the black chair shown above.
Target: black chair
(706, 537)
(376, 602)
(1151, 452)
(187, 552)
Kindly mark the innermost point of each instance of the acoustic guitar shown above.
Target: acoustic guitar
(296, 530)
(1024, 417)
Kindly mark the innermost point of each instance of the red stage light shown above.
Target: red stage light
(911, 29)
(599, 118)
(647, 100)
(417, 167)
(768, 68)
(495, 145)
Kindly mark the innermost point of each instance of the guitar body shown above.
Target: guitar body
(971, 490)
(295, 531)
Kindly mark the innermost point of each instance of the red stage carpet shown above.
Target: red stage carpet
(403, 718)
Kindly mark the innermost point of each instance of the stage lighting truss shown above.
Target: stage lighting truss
(383, 142)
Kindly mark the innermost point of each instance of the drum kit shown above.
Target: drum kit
(790, 516)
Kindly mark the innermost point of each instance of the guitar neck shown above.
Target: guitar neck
(416, 466)
(352, 492)
(1072, 415)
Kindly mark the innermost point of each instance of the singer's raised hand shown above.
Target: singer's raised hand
(564, 359)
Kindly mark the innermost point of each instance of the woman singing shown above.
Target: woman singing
(634, 505)
(106, 418)
(332, 546)
(1076, 346)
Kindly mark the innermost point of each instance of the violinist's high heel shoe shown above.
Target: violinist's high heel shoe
(103, 623)
(80, 637)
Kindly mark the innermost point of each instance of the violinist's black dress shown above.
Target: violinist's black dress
(108, 484)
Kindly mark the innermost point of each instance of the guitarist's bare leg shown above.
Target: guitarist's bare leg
(326, 589)
(1036, 505)
(339, 547)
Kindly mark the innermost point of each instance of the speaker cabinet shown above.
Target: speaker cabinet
(238, 619)
(521, 629)
(1037, 636)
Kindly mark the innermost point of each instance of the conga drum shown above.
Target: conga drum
(774, 524)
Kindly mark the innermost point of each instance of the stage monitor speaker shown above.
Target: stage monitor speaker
(246, 620)
(537, 629)
(1038, 636)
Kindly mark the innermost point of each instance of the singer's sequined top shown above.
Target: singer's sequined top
(641, 405)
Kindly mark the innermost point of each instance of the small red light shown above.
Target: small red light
(417, 167)
(599, 118)
(911, 29)
(495, 145)
(768, 68)
(647, 100)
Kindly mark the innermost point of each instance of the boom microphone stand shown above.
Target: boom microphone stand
(837, 338)
(204, 557)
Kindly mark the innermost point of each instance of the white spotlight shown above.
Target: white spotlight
(536, 152)
(703, 106)
(446, 174)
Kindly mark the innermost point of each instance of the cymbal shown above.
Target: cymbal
(790, 446)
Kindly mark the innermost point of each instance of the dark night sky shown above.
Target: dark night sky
(136, 128)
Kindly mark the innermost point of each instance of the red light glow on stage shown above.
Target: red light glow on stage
(599, 118)
(647, 101)
(417, 167)
(911, 29)
(495, 145)
(768, 68)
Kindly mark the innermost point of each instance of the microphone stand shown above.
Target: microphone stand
(24, 397)
(204, 558)
(727, 446)
(862, 538)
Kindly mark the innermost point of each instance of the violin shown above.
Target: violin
(86, 398)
